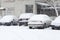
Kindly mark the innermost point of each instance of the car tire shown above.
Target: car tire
(53, 28)
(44, 26)
(30, 27)
(20, 24)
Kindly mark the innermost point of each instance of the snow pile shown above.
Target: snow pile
(7, 18)
(26, 15)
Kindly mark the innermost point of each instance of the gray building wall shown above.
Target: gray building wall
(16, 7)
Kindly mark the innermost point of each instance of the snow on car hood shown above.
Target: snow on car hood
(56, 22)
(7, 18)
(26, 15)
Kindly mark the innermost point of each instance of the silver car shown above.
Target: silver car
(39, 21)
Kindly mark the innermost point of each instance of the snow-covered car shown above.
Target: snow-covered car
(39, 21)
(56, 23)
(8, 20)
(24, 17)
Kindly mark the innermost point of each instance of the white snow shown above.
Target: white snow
(23, 33)
(51, 8)
(7, 18)
(45, 4)
(26, 15)
(56, 22)
(39, 17)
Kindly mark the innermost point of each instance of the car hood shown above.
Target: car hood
(56, 23)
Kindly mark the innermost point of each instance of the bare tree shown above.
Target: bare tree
(53, 2)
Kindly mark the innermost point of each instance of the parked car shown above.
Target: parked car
(24, 17)
(56, 23)
(39, 21)
(8, 20)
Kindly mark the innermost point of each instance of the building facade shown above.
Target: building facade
(17, 7)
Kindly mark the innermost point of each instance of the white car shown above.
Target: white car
(56, 23)
(24, 17)
(39, 21)
(8, 20)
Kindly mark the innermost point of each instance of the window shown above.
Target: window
(29, 8)
(10, 10)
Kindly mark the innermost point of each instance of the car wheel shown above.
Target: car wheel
(20, 24)
(30, 27)
(53, 28)
(44, 26)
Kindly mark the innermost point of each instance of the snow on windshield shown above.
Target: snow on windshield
(39, 17)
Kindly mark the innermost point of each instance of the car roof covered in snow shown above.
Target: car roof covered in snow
(40, 17)
(26, 15)
(7, 18)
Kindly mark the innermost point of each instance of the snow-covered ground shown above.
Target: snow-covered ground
(24, 33)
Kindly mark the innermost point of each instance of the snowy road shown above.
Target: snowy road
(24, 33)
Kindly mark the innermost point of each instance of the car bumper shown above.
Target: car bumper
(35, 25)
(55, 27)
